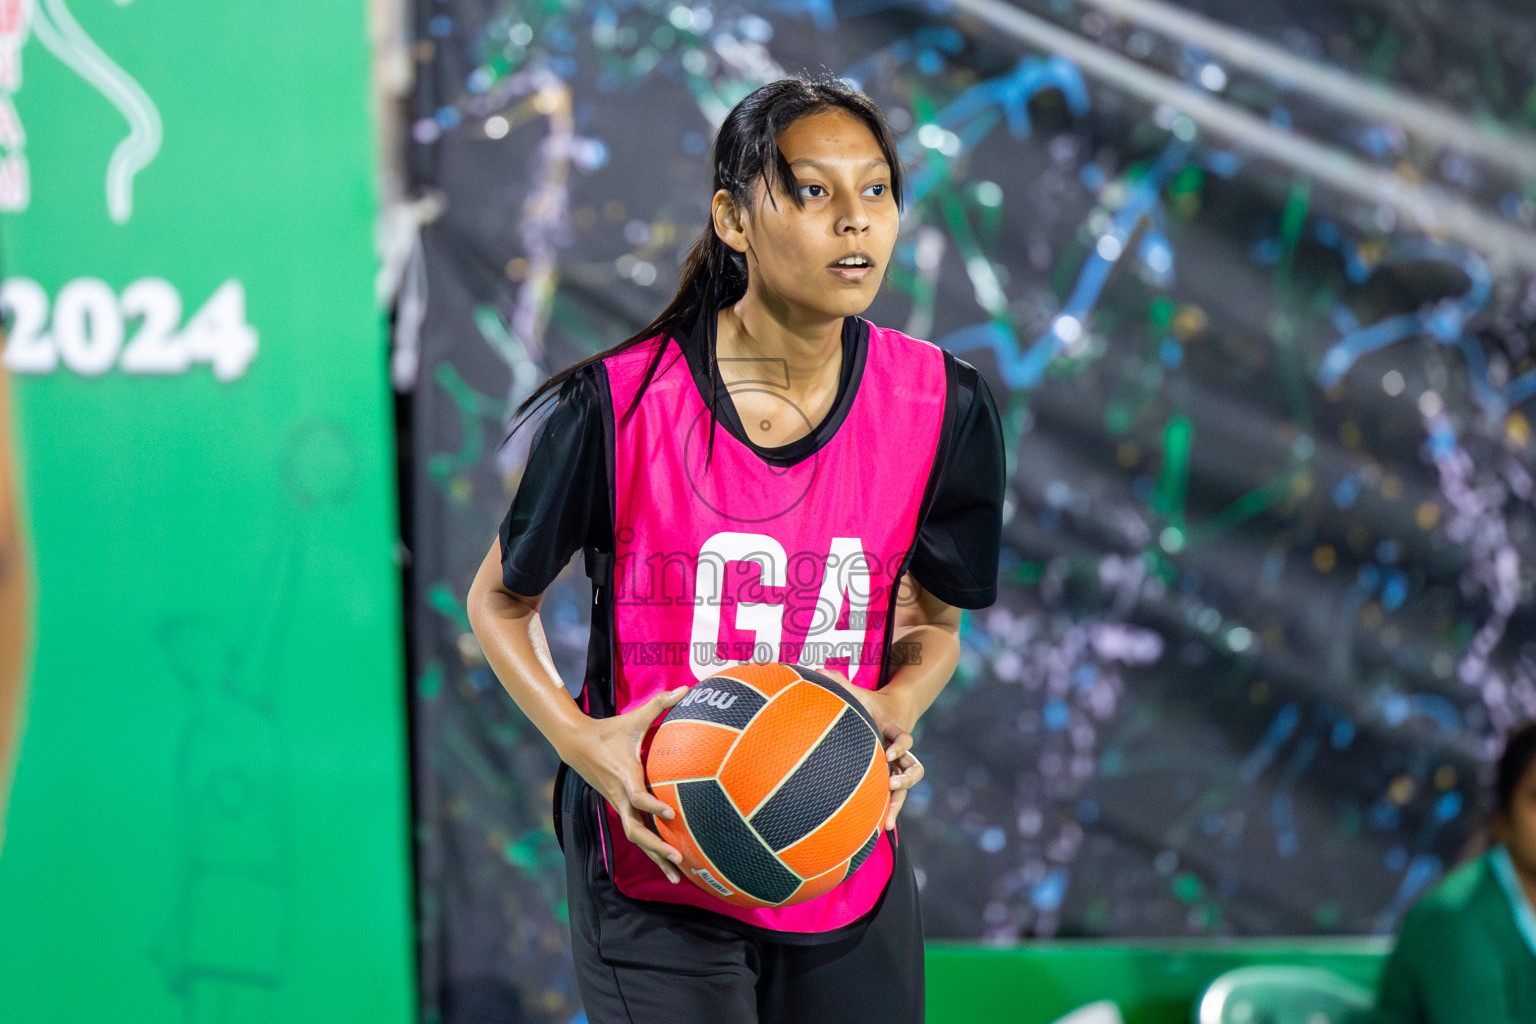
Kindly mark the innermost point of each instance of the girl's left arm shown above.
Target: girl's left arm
(925, 647)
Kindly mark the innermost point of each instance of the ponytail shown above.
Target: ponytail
(713, 276)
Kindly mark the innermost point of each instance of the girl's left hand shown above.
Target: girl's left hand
(906, 769)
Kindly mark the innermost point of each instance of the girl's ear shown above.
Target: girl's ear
(728, 221)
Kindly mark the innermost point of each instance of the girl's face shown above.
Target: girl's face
(1516, 828)
(823, 260)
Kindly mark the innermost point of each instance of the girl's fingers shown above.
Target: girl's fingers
(910, 774)
(666, 866)
(649, 841)
(648, 712)
(898, 745)
(639, 831)
(652, 845)
(643, 801)
(837, 677)
(915, 773)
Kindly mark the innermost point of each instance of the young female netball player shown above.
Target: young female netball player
(758, 471)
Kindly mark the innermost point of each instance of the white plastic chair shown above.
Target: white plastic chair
(1101, 1012)
(1282, 995)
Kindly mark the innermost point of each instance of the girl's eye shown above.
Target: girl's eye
(877, 189)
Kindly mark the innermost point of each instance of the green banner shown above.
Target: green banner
(208, 815)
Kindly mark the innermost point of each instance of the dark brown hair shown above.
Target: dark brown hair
(746, 150)
(1519, 754)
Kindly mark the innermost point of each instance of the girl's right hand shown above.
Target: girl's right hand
(606, 752)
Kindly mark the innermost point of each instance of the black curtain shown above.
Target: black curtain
(1266, 581)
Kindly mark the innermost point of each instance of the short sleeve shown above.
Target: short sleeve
(1445, 969)
(562, 502)
(956, 554)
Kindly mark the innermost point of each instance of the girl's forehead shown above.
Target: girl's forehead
(828, 134)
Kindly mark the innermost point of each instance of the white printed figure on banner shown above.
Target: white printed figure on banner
(57, 30)
(15, 182)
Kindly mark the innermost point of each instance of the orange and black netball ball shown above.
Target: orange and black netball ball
(779, 783)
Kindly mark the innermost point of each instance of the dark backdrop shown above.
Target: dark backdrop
(1266, 581)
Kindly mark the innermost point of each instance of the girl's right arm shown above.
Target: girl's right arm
(604, 751)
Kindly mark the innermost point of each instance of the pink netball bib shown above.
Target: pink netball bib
(745, 560)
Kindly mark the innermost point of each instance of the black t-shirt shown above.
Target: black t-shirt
(562, 504)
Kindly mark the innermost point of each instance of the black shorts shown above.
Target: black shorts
(639, 965)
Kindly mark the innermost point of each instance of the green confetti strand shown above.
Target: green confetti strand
(1173, 480)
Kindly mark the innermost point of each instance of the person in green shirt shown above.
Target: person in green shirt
(1467, 951)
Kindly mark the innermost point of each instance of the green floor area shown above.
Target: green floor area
(1152, 982)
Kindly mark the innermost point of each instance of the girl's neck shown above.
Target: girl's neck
(808, 351)
(1527, 885)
